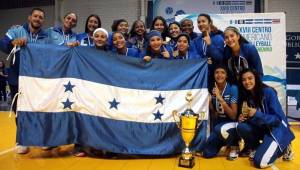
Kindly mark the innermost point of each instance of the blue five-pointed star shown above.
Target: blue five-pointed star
(67, 104)
(157, 115)
(114, 104)
(69, 87)
(159, 99)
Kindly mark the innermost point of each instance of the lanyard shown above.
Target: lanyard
(204, 47)
(218, 105)
(32, 38)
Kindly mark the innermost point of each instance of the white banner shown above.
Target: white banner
(267, 32)
(171, 8)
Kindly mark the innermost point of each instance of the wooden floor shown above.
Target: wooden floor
(61, 158)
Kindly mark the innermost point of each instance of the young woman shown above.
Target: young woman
(156, 48)
(92, 22)
(223, 109)
(183, 48)
(160, 24)
(137, 35)
(63, 35)
(100, 37)
(188, 27)
(240, 54)
(120, 25)
(210, 44)
(174, 31)
(119, 43)
(261, 119)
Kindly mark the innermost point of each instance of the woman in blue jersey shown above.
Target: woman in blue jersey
(86, 38)
(155, 47)
(174, 31)
(159, 24)
(210, 44)
(240, 54)
(223, 110)
(137, 35)
(119, 43)
(262, 122)
(63, 35)
(183, 48)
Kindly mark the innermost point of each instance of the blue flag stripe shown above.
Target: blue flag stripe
(101, 133)
(107, 68)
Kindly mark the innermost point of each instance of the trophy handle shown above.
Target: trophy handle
(175, 113)
(201, 116)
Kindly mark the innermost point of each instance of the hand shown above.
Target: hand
(216, 92)
(147, 58)
(73, 44)
(19, 42)
(165, 53)
(242, 118)
(206, 38)
(209, 60)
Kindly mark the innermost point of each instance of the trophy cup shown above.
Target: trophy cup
(189, 123)
(245, 109)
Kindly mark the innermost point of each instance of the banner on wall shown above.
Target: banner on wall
(171, 8)
(267, 32)
(293, 70)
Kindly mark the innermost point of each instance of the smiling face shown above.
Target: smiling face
(155, 43)
(69, 21)
(36, 19)
(231, 38)
(220, 75)
(100, 39)
(159, 25)
(123, 27)
(182, 44)
(139, 28)
(203, 24)
(174, 30)
(248, 81)
(92, 24)
(119, 41)
(187, 26)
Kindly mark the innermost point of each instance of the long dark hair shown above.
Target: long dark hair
(87, 21)
(213, 28)
(164, 34)
(257, 96)
(132, 32)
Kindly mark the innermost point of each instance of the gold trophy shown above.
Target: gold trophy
(245, 109)
(189, 123)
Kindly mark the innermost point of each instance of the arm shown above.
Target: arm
(255, 60)
(273, 110)
(216, 49)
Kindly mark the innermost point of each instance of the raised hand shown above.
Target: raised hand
(165, 53)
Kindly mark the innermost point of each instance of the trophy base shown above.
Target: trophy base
(186, 163)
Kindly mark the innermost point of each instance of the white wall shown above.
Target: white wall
(108, 10)
(291, 7)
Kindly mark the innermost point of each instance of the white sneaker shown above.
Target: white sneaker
(252, 154)
(22, 149)
(234, 153)
(288, 154)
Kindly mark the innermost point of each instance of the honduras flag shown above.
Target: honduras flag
(116, 103)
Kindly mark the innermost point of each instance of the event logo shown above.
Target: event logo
(255, 21)
(232, 6)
